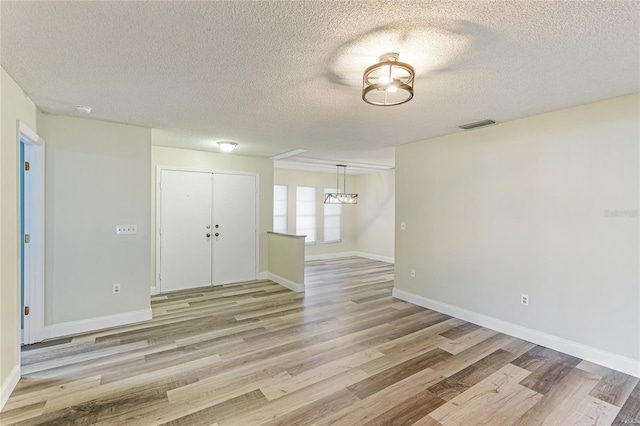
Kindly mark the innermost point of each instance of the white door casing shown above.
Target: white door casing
(34, 226)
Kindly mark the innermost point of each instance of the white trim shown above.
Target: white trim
(154, 290)
(99, 323)
(608, 359)
(262, 275)
(34, 251)
(330, 256)
(297, 287)
(9, 385)
(372, 256)
(350, 254)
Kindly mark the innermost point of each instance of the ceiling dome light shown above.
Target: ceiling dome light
(227, 146)
(388, 82)
(83, 109)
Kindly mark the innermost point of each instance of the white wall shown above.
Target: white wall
(98, 176)
(376, 214)
(521, 207)
(14, 105)
(162, 156)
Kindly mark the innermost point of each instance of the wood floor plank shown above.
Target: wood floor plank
(559, 398)
(461, 330)
(344, 352)
(629, 414)
(369, 408)
(409, 411)
(467, 341)
(459, 382)
(245, 402)
(386, 378)
(614, 388)
(315, 411)
(309, 377)
(545, 376)
(496, 400)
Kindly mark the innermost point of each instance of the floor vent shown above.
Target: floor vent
(477, 124)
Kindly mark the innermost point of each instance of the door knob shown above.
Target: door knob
(217, 235)
(208, 235)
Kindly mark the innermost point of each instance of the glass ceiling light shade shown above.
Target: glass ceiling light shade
(341, 197)
(227, 146)
(389, 82)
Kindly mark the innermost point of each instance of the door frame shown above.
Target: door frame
(35, 250)
(159, 170)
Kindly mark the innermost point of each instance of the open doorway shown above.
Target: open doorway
(31, 241)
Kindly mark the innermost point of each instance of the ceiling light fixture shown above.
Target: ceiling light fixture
(83, 109)
(226, 146)
(341, 197)
(388, 82)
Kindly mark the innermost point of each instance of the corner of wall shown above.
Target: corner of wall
(9, 385)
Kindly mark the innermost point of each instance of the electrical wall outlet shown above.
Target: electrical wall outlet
(403, 226)
(126, 229)
(413, 273)
(116, 289)
(524, 299)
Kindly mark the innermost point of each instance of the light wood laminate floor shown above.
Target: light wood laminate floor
(344, 353)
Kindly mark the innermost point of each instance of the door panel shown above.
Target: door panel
(234, 212)
(185, 250)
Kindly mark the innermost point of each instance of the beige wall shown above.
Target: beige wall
(97, 177)
(521, 208)
(319, 180)
(162, 156)
(376, 213)
(14, 106)
(286, 256)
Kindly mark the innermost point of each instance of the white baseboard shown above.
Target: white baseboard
(297, 287)
(330, 256)
(99, 323)
(371, 256)
(154, 290)
(9, 385)
(617, 362)
(262, 275)
(349, 254)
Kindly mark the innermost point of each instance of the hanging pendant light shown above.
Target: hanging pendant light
(341, 197)
(388, 82)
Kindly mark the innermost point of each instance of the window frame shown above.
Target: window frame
(314, 203)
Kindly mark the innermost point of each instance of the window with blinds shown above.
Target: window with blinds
(280, 205)
(306, 213)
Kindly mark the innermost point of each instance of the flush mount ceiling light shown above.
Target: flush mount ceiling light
(341, 197)
(227, 146)
(388, 82)
(83, 109)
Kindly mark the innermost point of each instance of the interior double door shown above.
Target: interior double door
(207, 229)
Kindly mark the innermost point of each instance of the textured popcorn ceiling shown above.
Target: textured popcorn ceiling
(275, 76)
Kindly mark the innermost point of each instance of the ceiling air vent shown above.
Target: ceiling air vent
(477, 124)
